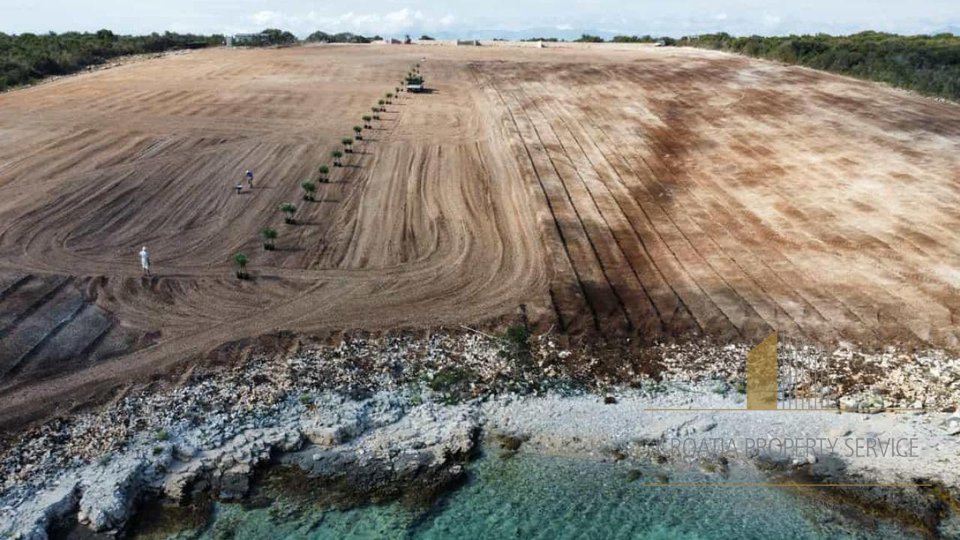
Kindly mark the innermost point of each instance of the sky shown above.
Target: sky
(484, 18)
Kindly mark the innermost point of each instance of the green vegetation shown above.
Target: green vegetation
(926, 64)
(324, 172)
(347, 144)
(647, 38)
(27, 58)
(452, 382)
(163, 435)
(357, 132)
(268, 235)
(267, 38)
(587, 38)
(517, 343)
(289, 209)
(309, 188)
(366, 121)
(342, 37)
(241, 261)
(426, 38)
(336, 158)
(544, 39)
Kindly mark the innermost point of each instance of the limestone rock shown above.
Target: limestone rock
(109, 493)
(865, 403)
(31, 522)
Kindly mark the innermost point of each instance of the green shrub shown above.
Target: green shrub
(517, 342)
(268, 235)
(241, 261)
(309, 188)
(289, 209)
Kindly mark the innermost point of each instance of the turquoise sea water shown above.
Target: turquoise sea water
(534, 496)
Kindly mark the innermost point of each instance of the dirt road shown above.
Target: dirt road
(652, 193)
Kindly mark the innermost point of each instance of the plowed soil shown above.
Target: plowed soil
(649, 193)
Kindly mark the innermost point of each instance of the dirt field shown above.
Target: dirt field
(651, 193)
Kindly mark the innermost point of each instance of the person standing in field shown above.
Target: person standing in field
(145, 260)
(250, 178)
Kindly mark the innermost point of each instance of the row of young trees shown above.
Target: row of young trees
(26, 58)
(309, 187)
(926, 64)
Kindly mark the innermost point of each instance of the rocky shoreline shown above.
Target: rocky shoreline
(376, 415)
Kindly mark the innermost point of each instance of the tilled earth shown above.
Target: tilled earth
(650, 194)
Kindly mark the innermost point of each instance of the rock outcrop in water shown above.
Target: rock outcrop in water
(381, 419)
(380, 447)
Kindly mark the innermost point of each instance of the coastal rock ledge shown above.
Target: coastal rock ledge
(398, 417)
(378, 446)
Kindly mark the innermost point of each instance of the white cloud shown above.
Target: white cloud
(265, 18)
(489, 18)
(391, 22)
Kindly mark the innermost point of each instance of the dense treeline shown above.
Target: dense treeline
(342, 37)
(643, 39)
(588, 38)
(275, 36)
(25, 58)
(927, 64)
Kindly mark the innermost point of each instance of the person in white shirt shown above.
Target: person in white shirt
(145, 260)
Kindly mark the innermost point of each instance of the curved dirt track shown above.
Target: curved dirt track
(646, 193)
(413, 231)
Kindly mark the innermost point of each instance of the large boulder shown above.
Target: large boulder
(109, 493)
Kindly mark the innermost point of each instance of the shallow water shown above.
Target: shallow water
(535, 496)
